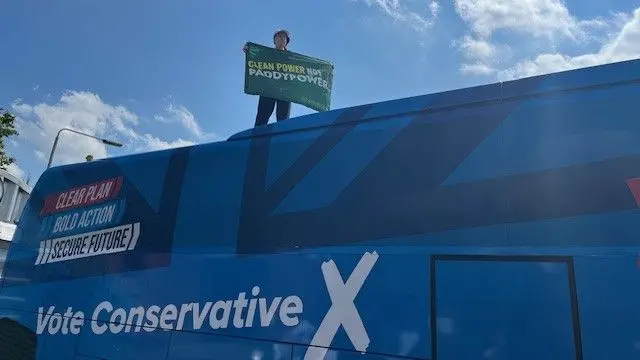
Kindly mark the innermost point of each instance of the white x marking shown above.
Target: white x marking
(342, 311)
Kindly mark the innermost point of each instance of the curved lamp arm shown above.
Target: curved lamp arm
(55, 142)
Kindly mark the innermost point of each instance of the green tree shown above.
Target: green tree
(7, 128)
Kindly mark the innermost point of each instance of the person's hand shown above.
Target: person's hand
(245, 48)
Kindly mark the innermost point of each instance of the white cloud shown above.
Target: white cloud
(625, 45)
(539, 18)
(180, 114)
(476, 48)
(153, 143)
(187, 119)
(477, 69)
(87, 112)
(481, 54)
(434, 8)
(419, 18)
(16, 171)
(21, 109)
(161, 118)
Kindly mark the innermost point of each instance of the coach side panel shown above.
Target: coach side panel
(506, 227)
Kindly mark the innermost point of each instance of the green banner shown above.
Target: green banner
(288, 76)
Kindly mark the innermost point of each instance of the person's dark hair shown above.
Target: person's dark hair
(282, 31)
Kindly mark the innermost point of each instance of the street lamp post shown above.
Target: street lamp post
(55, 142)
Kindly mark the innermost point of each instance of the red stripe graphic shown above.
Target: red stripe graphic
(634, 186)
(82, 196)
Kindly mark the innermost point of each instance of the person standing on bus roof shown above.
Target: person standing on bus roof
(281, 39)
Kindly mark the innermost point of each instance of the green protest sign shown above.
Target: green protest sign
(288, 76)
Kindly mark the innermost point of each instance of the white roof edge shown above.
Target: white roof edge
(16, 180)
(7, 230)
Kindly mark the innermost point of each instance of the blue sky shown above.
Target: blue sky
(158, 74)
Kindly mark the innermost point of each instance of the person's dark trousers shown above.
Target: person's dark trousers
(265, 109)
